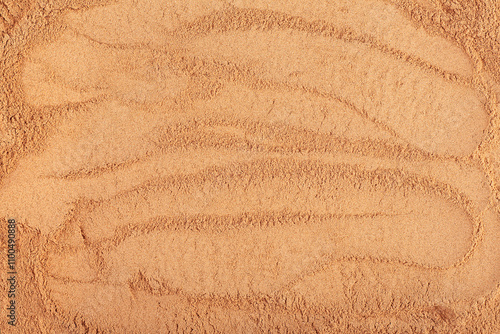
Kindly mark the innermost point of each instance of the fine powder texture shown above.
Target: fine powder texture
(250, 166)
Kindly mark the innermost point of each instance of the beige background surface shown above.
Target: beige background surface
(252, 166)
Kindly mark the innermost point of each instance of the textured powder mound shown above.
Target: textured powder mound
(250, 166)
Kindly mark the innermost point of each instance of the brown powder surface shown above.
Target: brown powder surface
(258, 166)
